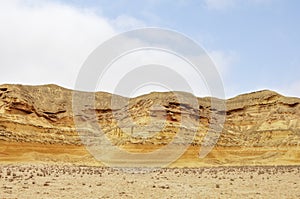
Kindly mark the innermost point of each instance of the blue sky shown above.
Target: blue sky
(254, 42)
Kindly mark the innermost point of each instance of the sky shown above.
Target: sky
(254, 43)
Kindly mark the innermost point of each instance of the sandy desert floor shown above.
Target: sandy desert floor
(66, 181)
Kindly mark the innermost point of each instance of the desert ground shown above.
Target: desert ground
(67, 181)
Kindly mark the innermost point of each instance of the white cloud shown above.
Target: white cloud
(125, 22)
(44, 42)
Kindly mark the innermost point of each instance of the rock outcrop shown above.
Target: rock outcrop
(44, 115)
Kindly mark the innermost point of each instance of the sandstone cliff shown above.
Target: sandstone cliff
(44, 115)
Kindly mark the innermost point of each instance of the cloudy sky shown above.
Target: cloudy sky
(254, 43)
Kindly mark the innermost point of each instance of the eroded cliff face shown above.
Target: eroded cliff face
(262, 118)
(37, 123)
(43, 114)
